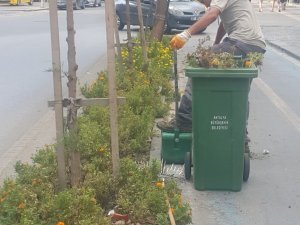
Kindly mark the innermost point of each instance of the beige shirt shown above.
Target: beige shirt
(240, 22)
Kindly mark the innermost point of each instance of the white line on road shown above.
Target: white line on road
(291, 116)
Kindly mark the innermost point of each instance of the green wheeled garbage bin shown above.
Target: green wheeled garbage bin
(175, 145)
(219, 110)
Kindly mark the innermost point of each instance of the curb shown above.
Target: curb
(23, 10)
(289, 53)
(6, 7)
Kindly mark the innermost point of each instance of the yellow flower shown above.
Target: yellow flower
(247, 64)
(94, 200)
(215, 63)
(34, 181)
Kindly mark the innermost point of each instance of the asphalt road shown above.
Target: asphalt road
(26, 82)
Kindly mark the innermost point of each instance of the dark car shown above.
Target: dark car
(77, 4)
(181, 13)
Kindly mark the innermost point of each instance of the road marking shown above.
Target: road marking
(291, 116)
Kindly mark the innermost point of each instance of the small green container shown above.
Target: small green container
(219, 107)
(174, 146)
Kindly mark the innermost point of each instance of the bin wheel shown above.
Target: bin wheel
(187, 165)
(246, 167)
(163, 163)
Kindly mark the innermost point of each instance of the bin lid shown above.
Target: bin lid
(221, 72)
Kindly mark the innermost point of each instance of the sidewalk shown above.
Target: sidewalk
(208, 207)
(286, 40)
(36, 6)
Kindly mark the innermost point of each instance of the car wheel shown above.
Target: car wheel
(82, 6)
(187, 165)
(167, 29)
(119, 22)
(77, 5)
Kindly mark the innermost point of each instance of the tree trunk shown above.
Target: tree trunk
(119, 50)
(72, 81)
(160, 19)
(142, 31)
(129, 38)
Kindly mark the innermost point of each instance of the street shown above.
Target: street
(26, 82)
(272, 194)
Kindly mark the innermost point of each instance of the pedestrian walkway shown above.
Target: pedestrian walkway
(36, 6)
(210, 207)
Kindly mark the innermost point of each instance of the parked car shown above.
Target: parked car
(77, 4)
(92, 3)
(181, 13)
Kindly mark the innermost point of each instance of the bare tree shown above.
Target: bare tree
(142, 31)
(159, 24)
(72, 108)
(129, 38)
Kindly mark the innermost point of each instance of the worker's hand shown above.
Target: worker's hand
(179, 40)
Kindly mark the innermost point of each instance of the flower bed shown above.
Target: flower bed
(136, 193)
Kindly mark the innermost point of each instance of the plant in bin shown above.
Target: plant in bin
(203, 56)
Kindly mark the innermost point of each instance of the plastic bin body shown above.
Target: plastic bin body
(220, 99)
(174, 145)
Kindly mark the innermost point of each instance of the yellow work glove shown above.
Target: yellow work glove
(179, 40)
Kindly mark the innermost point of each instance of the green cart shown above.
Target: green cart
(220, 104)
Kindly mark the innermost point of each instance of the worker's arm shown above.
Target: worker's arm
(220, 34)
(210, 16)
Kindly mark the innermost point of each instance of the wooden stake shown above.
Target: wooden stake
(110, 18)
(56, 67)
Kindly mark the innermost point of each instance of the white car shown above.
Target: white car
(93, 3)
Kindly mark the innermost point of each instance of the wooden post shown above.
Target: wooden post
(129, 38)
(142, 32)
(110, 18)
(72, 109)
(56, 67)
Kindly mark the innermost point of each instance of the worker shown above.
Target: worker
(243, 35)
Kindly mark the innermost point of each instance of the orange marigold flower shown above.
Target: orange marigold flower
(158, 184)
(60, 223)
(21, 205)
